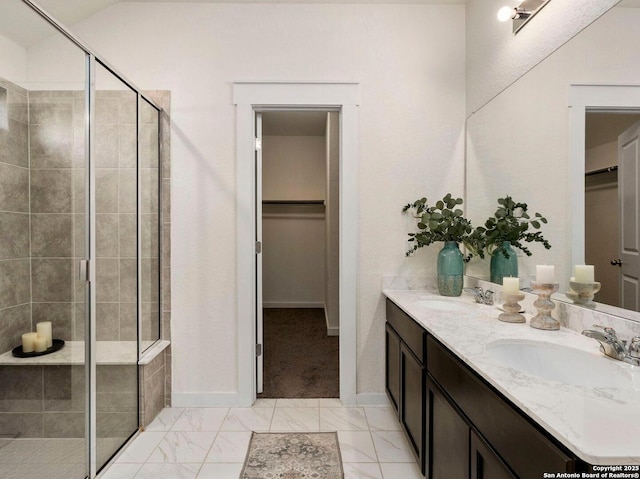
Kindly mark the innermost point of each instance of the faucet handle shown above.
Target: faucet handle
(607, 329)
(634, 347)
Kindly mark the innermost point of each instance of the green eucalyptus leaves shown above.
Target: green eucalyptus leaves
(511, 223)
(443, 221)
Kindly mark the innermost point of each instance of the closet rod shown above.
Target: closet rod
(602, 170)
(293, 202)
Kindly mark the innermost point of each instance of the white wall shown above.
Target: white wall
(496, 57)
(293, 259)
(519, 142)
(411, 119)
(13, 66)
(293, 167)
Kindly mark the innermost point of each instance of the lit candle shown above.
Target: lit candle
(545, 274)
(44, 331)
(510, 285)
(28, 340)
(40, 344)
(584, 273)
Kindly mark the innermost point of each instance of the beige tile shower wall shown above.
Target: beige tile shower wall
(15, 279)
(49, 401)
(56, 207)
(116, 238)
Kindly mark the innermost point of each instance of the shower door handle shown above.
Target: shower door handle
(83, 270)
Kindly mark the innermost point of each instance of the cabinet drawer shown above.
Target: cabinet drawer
(411, 333)
(527, 451)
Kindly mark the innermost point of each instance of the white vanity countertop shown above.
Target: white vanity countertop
(600, 425)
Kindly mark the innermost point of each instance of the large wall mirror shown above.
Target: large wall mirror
(551, 140)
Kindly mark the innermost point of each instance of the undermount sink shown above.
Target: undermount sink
(564, 364)
(443, 305)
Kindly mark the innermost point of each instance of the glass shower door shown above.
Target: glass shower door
(116, 324)
(43, 232)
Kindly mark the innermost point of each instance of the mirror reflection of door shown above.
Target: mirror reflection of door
(604, 222)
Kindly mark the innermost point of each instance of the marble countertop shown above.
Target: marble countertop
(107, 353)
(599, 424)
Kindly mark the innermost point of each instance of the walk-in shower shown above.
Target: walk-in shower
(81, 222)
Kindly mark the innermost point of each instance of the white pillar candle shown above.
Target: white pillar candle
(40, 344)
(28, 342)
(44, 331)
(545, 274)
(584, 273)
(510, 285)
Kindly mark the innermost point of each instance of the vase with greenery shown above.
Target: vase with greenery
(510, 226)
(444, 222)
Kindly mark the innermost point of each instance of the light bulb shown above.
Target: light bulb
(505, 13)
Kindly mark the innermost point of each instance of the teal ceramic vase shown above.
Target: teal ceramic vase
(450, 270)
(501, 266)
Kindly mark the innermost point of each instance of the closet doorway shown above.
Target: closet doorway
(297, 227)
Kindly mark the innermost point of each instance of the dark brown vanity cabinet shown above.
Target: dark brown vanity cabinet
(406, 376)
(457, 450)
(458, 425)
(512, 441)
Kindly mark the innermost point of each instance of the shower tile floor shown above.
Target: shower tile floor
(211, 443)
(53, 458)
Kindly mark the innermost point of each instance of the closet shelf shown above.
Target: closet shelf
(602, 170)
(293, 202)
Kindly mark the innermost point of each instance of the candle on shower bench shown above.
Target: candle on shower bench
(584, 273)
(545, 274)
(510, 285)
(44, 331)
(28, 342)
(40, 344)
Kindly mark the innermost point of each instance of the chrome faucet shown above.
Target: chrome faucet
(613, 347)
(480, 296)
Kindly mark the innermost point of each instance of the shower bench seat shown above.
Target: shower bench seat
(107, 353)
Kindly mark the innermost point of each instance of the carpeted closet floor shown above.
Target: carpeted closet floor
(300, 360)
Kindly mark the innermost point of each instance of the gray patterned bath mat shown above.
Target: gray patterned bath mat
(299, 455)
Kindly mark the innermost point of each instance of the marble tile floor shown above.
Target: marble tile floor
(211, 443)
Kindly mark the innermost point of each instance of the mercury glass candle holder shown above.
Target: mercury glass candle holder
(512, 309)
(544, 305)
(585, 293)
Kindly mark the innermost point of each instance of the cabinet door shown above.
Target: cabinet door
(392, 366)
(449, 437)
(485, 464)
(412, 406)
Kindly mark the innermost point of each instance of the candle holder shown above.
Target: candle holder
(512, 309)
(584, 293)
(544, 305)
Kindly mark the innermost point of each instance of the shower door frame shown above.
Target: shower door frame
(87, 267)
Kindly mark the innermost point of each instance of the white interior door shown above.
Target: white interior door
(628, 178)
(259, 316)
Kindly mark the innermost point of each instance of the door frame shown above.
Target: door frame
(250, 97)
(593, 98)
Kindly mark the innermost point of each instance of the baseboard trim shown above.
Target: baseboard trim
(333, 331)
(291, 304)
(372, 399)
(204, 399)
(232, 399)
